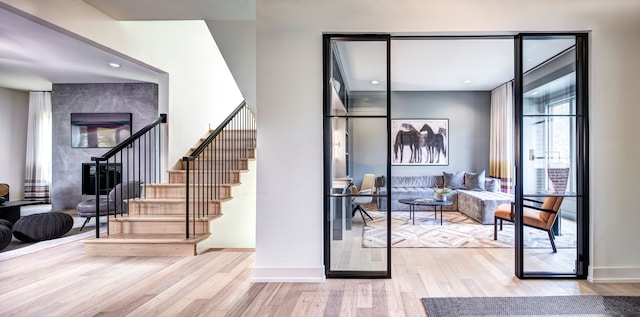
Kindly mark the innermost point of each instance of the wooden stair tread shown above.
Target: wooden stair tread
(152, 217)
(175, 200)
(147, 238)
(180, 185)
(215, 170)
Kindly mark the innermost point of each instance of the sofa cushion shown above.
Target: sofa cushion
(492, 184)
(474, 181)
(480, 205)
(416, 181)
(453, 180)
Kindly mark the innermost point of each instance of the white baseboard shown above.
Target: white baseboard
(614, 274)
(288, 275)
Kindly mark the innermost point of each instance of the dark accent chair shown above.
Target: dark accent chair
(114, 203)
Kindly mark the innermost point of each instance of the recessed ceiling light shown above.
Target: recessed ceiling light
(534, 93)
(467, 81)
(375, 82)
(114, 65)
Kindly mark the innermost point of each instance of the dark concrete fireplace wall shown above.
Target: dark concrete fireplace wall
(140, 99)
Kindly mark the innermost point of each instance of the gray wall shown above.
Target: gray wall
(469, 114)
(140, 99)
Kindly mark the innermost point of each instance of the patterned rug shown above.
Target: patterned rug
(456, 231)
(580, 305)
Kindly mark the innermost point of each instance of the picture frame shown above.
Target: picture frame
(420, 142)
(99, 130)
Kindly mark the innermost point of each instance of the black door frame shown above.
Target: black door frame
(327, 135)
(582, 152)
(582, 157)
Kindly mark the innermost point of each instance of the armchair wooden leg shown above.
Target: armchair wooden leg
(553, 243)
(495, 228)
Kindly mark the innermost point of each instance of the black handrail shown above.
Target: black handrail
(222, 153)
(126, 143)
(217, 131)
(125, 171)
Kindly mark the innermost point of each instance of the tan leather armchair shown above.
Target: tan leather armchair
(541, 217)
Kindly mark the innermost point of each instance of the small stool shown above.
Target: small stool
(44, 226)
(87, 209)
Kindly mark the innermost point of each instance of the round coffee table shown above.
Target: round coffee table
(413, 202)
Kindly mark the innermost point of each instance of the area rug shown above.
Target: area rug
(456, 231)
(579, 305)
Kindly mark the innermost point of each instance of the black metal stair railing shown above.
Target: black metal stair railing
(122, 172)
(213, 166)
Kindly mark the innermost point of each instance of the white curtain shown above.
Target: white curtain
(501, 144)
(37, 178)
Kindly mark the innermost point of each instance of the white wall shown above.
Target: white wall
(237, 227)
(289, 54)
(14, 115)
(237, 42)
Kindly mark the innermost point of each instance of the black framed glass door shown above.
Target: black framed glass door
(356, 86)
(551, 195)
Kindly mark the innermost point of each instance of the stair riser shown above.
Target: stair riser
(205, 178)
(239, 164)
(150, 227)
(140, 249)
(180, 192)
(160, 208)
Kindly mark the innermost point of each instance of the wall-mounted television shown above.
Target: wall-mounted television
(99, 129)
(110, 176)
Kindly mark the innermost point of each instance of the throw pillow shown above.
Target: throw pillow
(453, 180)
(492, 184)
(474, 181)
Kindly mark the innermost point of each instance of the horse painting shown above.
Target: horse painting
(409, 138)
(434, 143)
(425, 146)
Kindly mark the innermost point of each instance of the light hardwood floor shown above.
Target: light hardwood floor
(62, 281)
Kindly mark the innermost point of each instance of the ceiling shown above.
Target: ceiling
(34, 54)
(452, 64)
(132, 10)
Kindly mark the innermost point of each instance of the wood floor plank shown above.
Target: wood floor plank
(63, 281)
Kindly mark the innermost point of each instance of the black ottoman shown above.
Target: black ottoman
(44, 226)
(5, 235)
(6, 223)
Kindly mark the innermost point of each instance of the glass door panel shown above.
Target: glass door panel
(550, 200)
(356, 147)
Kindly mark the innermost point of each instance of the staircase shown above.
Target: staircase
(157, 223)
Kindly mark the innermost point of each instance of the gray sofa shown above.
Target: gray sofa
(478, 205)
